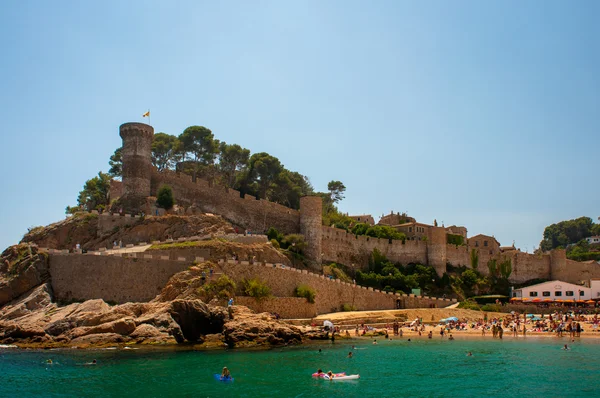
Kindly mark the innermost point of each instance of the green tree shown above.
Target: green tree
(474, 258)
(256, 288)
(164, 198)
(95, 193)
(567, 232)
(232, 160)
(201, 144)
(469, 278)
(336, 191)
(116, 163)
(265, 170)
(164, 151)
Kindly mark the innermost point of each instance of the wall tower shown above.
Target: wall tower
(137, 164)
(311, 219)
(436, 249)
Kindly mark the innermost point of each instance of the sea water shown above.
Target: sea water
(524, 367)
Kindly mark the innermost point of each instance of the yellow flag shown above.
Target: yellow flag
(147, 114)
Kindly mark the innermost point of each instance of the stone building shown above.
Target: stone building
(365, 219)
(484, 243)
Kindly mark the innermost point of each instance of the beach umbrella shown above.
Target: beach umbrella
(536, 300)
(580, 301)
(516, 299)
(525, 299)
(560, 301)
(590, 302)
(328, 324)
(548, 300)
(569, 301)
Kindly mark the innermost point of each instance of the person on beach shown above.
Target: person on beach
(430, 335)
(225, 373)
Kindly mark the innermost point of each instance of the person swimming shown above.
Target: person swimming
(225, 373)
(330, 375)
(469, 354)
(319, 373)
(94, 362)
(375, 341)
(49, 362)
(566, 348)
(350, 354)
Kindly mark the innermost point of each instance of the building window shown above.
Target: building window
(569, 293)
(557, 293)
(532, 294)
(485, 243)
(476, 244)
(546, 294)
(409, 229)
(581, 293)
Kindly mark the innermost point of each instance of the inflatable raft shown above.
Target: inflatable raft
(342, 378)
(221, 378)
(325, 374)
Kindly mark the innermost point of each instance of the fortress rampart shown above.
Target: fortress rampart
(141, 276)
(249, 213)
(141, 180)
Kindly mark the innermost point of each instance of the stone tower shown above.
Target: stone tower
(311, 219)
(436, 249)
(137, 164)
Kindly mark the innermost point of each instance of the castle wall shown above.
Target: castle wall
(345, 248)
(330, 295)
(140, 277)
(111, 278)
(286, 307)
(248, 213)
(458, 255)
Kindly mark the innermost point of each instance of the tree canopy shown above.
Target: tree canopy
(94, 195)
(565, 233)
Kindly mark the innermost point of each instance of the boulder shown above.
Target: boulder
(101, 338)
(145, 330)
(123, 327)
(15, 331)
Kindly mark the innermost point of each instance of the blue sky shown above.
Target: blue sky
(482, 114)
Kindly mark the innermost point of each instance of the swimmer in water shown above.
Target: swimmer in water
(350, 354)
(566, 348)
(319, 350)
(225, 374)
(374, 341)
(330, 375)
(469, 354)
(94, 362)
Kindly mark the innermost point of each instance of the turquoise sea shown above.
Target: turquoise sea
(530, 367)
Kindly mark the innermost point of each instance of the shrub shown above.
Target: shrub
(348, 307)
(222, 288)
(491, 308)
(469, 305)
(294, 243)
(307, 292)
(257, 289)
(275, 243)
(164, 198)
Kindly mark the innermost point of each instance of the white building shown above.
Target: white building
(558, 290)
(593, 239)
